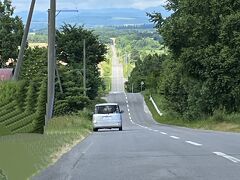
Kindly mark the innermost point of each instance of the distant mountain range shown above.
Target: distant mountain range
(95, 17)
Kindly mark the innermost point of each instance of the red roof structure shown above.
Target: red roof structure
(6, 74)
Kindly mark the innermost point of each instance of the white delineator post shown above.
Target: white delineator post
(155, 106)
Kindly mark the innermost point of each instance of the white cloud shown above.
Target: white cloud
(43, 5)
(146, 4)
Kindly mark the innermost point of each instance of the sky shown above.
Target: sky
(43, 5)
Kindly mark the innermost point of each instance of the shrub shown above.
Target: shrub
(30, 101)
(219, 116)
(41, 107)
(61, 107)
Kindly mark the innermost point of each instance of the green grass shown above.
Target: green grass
(106, 72)
(220, 121)
(23, 155)
(127, 69)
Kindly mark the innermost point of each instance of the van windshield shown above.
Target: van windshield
(107, 109)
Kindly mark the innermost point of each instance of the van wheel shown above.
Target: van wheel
(95, 129)
(120, 129)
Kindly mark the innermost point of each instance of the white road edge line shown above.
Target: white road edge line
(233, 159)
(175, 137)
(193, 143)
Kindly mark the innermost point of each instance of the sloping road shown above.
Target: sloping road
(145, 150)
(117, 69)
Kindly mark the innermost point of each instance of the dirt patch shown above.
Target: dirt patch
(64, 149)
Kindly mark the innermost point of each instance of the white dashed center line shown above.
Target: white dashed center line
(175, 137)
(233, 159)
(193, 143)
(163, 133)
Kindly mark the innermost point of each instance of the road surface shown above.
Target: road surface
(146, 150)
(117, 69)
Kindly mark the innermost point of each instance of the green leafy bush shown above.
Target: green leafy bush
(30, 101)
(8, 109)
(25, 110)
(9, 115)
(25, 121)
(41, 107)
(61, 108)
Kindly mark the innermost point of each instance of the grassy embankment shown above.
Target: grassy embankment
(219, 121)
(23, 155)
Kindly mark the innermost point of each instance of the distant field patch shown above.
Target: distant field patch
(41, 45)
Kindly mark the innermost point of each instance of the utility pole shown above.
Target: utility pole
(51, 60)
(59, 80)
(84, 67)
(24, 42)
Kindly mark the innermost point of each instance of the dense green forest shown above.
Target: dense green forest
(200, 75)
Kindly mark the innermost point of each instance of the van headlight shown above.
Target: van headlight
(94, 122)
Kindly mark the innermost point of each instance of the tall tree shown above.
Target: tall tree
(70, 44)
(70, 51)
(11, 31)
(203, 37)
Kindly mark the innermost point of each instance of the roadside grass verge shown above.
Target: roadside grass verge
(127, 69)
(24, 155)
(220, 121)
(106, 72)
(107, 75)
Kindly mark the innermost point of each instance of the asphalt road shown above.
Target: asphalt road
(117, 69)
(146, 150)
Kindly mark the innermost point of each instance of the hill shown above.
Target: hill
(95, 17)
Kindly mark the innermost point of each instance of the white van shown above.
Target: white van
(107, 116)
